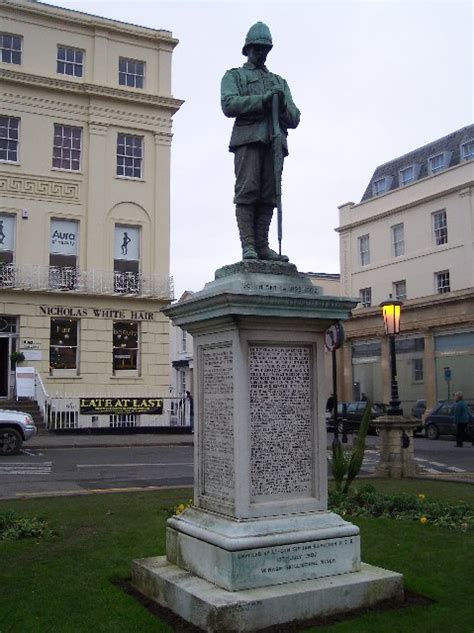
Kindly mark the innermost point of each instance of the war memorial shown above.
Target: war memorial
(259, 546)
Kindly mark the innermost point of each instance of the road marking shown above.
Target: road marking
(29, 452)
(456, 469)
(437, 464)
(432, 471)
(20, 468)
(131, 465)
(88, 491)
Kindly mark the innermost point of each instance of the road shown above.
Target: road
(77, 470)
(80, 470)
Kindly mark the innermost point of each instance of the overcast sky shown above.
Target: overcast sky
(373, 80)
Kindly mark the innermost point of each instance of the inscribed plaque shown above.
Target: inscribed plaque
(281, 461)
(218, 431)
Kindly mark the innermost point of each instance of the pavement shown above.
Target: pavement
(45, 439)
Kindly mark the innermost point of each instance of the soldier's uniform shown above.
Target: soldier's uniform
(242, 91)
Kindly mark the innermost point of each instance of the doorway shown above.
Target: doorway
(4, 366)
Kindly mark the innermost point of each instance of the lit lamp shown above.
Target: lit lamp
(391, 318)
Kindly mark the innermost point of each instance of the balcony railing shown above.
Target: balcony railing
(77, 280)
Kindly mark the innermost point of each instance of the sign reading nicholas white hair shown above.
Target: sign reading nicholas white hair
(120, 406)
(97, 313)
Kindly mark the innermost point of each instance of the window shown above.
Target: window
(183, 340)
(467, 150)
(379, 186)
(63, 344)
(407, 175)
(10, 46)
(63, 250)
(131, 73)
(398, 240)
(127, 259)
(439, 161)
(9, 138)
(7, 250)
(400, 290)
(70, 61)
(442, 282)
(125, 345)
(365, 295)
(129, 155)
(440, 227)
(417, 369)
(67, 147)
(364, 250)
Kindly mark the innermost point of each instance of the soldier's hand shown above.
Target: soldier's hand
(268, 97)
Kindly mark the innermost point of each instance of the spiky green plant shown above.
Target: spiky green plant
(348, 465)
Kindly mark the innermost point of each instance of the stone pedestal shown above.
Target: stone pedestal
(396, 460)
(259, 546)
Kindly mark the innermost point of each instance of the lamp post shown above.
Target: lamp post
(391, 317)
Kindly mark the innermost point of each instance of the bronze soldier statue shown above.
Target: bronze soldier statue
(248, 93)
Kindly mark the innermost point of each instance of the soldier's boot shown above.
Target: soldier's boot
(245, 215)
(262, 226)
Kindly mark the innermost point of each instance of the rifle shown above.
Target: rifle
(277, 148)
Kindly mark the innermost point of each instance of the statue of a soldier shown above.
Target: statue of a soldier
(247, 93)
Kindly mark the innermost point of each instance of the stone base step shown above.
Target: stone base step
(214, 609)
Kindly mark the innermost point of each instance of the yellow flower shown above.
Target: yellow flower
(421, 497)
(423, 520)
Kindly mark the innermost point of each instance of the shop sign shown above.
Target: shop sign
(63, 237)
(96, 313)
(32, 354)
(28, 343)
(25, 382)
(121, 406)
(126, 243)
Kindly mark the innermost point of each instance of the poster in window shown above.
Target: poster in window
(7, 233)
(64, 237)
(127, 240)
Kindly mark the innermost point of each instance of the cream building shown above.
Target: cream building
(85, 133)
(412, 235)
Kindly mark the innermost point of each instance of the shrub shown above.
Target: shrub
(366, 501)
(15, 528)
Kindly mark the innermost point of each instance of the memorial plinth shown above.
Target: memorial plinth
(259, 546)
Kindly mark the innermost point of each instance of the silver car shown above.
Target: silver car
(15, 428)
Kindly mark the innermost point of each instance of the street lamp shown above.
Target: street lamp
(391, 317)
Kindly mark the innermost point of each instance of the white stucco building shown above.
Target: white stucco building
(86, 110)
(412, 235)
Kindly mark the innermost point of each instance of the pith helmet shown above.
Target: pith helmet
(259, 33)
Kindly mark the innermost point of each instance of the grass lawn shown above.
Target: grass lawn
(63, 584)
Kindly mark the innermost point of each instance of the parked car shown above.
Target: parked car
(440, 421)
(418, 409)
(16, 427)
(350, 413)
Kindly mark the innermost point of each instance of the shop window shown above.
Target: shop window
(63, 344)
(63, 249)
(7, 251)
(127, 259)
(125, 346)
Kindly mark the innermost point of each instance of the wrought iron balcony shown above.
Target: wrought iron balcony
(77, 280)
